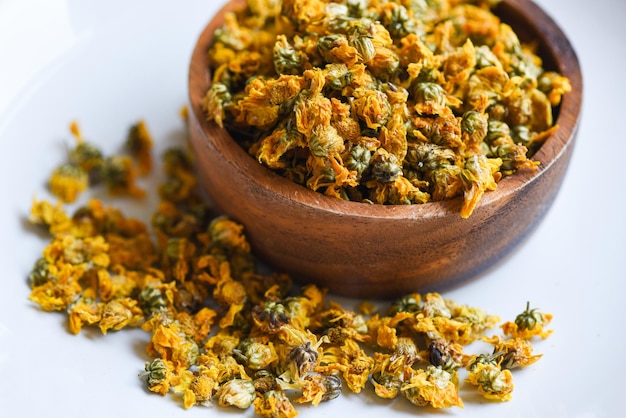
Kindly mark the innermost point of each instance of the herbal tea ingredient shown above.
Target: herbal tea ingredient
(388, 102)
(223, 332)
(87, 166)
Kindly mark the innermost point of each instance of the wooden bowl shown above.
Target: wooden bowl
(375, 251)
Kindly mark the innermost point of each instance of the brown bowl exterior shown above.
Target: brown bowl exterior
(375, 251)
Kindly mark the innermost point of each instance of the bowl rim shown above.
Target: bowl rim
(554, 147)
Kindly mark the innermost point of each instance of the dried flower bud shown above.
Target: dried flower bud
(496, 129)
(407, 349)
(286, 58)
(151, 300)
(89, 158)
(485, 359)
(118, 174)
(236, 392)
(325, 141)
(156, 372)
(139, 143)
(492, 382)
(304, 358)
(433, 386)
(521, 134)
(333, 387)
(228, 235)
(326, 44)
(397, 20)
(68, 181)
(215, 100)
(386, 386)
(385, 167)
(530, 318)
(428, 157)
(441, 354)
(264, 381)
(40, 273)
(429, 92)
(485, 57)
(274, 403)
(434, 305)
(357, 8)
(255, 355)
(175, 159)
(364, 46)
(270, 316)
(358, 159)
(474, 125)
(337, 76)
(408, 303)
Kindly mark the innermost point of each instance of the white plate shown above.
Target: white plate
(107, 64)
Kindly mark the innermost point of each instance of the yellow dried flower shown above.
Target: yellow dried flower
(433, 386)
(528, 324)
(119, 313)
(85, 311)
(513, 352)
(236, 392)
(159, 376)
(68, 181)
(274, 404)
(139, 142)
(492, 382)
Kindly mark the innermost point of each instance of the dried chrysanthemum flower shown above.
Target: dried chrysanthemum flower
(40, 273)
(386, 386)
(197, 387)
(152, 300)
(391, 370)
(88, 157)
(171, 344)
(407, 303)
(119, 175)
(357, 365)
(318, 388)
(52, 218)
(302, 359)
(240, 393)
(68, 181)
(433, 386)
(158, 374)
(256, 355)
(85, 311)
(274, 403)
(385, 167)
(514, 352)
(493, 382)
(444, 354)
(270, 316)
(139, 142)
(119, 313)
(528, 324)
(478, 175)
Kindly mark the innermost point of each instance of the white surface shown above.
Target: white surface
(106, 64)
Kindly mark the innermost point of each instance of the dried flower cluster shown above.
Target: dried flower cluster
(87, 166)
(222, 332)
(382, 101)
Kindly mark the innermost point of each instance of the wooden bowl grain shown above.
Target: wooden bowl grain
(375, 251)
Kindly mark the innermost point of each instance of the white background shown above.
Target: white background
(107, 64)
